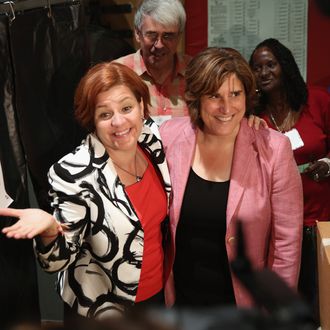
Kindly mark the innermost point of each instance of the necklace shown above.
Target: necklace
(137, 177)
(285, 121)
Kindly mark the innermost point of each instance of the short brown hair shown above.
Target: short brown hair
(101, 78)
(207, 71)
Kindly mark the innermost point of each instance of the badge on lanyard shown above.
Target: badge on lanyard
(160, 119)
(295, 139)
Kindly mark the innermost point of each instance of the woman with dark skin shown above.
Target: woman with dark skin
(303, 114)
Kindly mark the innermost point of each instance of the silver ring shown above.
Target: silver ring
(316, 176)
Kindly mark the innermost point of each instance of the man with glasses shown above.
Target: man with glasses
(158, 28)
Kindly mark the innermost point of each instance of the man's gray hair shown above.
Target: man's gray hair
(165, 12)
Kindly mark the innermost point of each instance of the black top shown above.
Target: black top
(201, 271)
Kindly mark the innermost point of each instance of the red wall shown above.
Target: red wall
(318, 58)
(196, 27)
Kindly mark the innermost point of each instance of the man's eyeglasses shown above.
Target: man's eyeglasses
(165, 37)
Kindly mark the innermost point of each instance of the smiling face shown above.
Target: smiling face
(118, 122)
(223, 110)
(267, 70)
(158, 43)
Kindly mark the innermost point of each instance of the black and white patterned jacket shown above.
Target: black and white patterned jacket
(99, 257)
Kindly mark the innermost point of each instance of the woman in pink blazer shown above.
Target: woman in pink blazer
(223, 171)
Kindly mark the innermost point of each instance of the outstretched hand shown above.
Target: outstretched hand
(256, 122)
(31, 222)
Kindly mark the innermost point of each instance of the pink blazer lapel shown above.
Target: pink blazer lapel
(242, 162)
(183, 154)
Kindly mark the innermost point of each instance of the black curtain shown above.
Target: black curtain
(44, 52)
(49, 56)
(18, 279)
(43, 55)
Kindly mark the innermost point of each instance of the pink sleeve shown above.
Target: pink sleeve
(287, 216)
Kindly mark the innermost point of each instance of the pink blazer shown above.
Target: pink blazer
(265, 194)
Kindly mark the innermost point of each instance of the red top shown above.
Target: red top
(313, 127)
(149, 199)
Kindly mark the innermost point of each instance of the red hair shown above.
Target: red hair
(101, 78)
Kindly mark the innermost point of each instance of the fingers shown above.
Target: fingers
(316, 171)
(251, 120)
(17, 231)
(12, 228)
(8, 212)
(259, 123)
(13, 233)
(263, 123)
(21, 232)
(27, 226)
(256, 122)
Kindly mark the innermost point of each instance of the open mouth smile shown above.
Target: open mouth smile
(122, 133)
(265, 82)
(224, 118)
